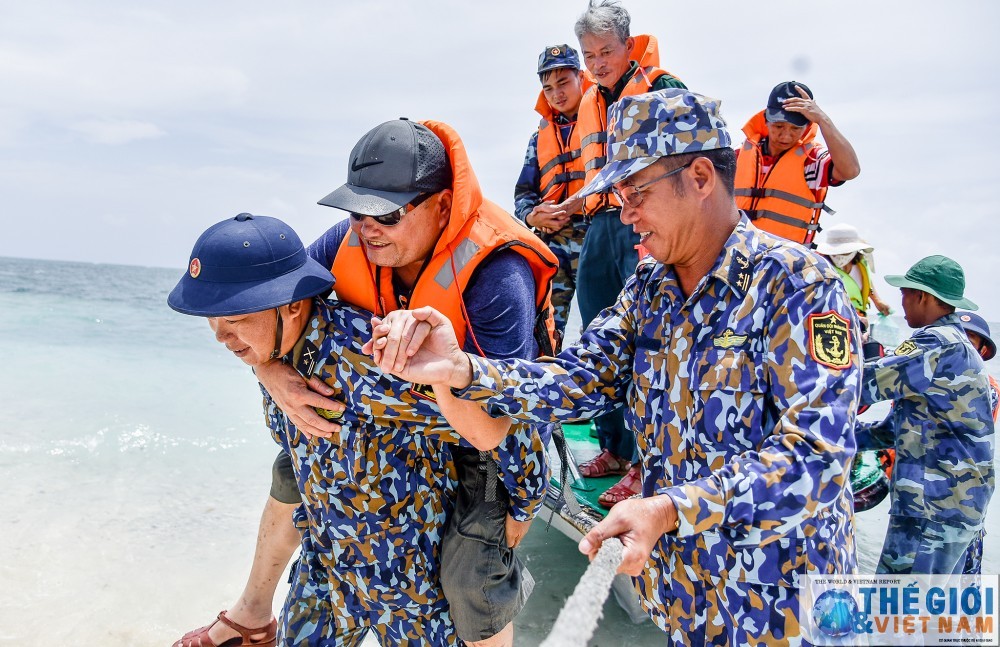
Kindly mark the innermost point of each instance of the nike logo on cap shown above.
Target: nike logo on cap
(355, 167)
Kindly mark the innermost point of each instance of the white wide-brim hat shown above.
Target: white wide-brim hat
(842, 239)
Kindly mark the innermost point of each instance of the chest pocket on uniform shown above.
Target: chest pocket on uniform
(647, 394)
(729, 387)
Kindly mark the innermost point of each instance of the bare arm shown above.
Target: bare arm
(845, 161)
(571, 205)
(880, 305)
(470, 421)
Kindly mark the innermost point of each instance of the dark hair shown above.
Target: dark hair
(544, 76)
(947, 306)
(723, 159)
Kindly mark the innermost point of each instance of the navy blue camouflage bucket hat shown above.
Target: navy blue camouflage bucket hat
(247, 264)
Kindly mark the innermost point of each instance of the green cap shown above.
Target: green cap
(937, 275)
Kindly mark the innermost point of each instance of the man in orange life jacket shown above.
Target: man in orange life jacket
(782, 173)
(553, 171)
(622, 65)
(420, 233)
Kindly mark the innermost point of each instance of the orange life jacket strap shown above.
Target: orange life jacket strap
(755, 214)
(756, 193)
(563, 178)
(600, 137)
(563, 158)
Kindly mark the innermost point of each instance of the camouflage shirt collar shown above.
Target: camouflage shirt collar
(949, 320)
(734, 265)
(562, 120)
(304, 356)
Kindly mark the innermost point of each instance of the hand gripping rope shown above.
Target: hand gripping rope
(579, 616)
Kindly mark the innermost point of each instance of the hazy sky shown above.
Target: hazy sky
(127, 128)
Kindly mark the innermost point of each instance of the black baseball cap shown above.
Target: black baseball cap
(782, 91)
(390, 166)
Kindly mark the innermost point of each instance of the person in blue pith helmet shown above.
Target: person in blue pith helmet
(420, 231)
(978, 332)
(376, 495)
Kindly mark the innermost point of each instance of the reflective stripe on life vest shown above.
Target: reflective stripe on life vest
(781, 201)
(560, 166)
(478, 228)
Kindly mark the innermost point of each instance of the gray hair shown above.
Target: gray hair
(601, 17)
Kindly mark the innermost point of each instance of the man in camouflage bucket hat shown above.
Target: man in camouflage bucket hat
(736, 356)
(941, 426)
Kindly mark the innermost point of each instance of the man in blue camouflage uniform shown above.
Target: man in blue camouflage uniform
(409, 167)
(737, 355)
(941, 426)
(535, 204)
(376, 494)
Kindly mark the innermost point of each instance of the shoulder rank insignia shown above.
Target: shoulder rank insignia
(729, 339)
(739, 272)
(908, 347)
(830, 339)
(423, 391)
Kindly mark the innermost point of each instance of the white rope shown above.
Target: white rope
(578, 618)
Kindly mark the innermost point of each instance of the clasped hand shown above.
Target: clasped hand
(419, 346)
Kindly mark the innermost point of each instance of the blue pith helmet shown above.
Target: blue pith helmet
(247, 264)
(972, 322)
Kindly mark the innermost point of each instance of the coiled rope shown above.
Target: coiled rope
(578, 618)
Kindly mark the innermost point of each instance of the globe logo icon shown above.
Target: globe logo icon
(834, 612)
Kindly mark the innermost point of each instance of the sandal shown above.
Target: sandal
(604, 464)
(199, 637)
(628, 487)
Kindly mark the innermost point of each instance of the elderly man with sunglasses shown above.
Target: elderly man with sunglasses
(420, 232)
(736, 355)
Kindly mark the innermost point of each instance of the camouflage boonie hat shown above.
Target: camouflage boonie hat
(645, 127)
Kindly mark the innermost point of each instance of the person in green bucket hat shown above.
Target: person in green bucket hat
(941, 426)
(937, 276)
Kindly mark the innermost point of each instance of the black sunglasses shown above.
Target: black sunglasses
(393, 218)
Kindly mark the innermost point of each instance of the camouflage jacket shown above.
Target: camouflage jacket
(941, 425)
(742, 397)
(386, 480)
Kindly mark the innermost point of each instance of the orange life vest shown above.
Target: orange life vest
(780, 202)
(477, 229)
(559, 164)
(592, 120)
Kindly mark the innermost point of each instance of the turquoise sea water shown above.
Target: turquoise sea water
(135, 464)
